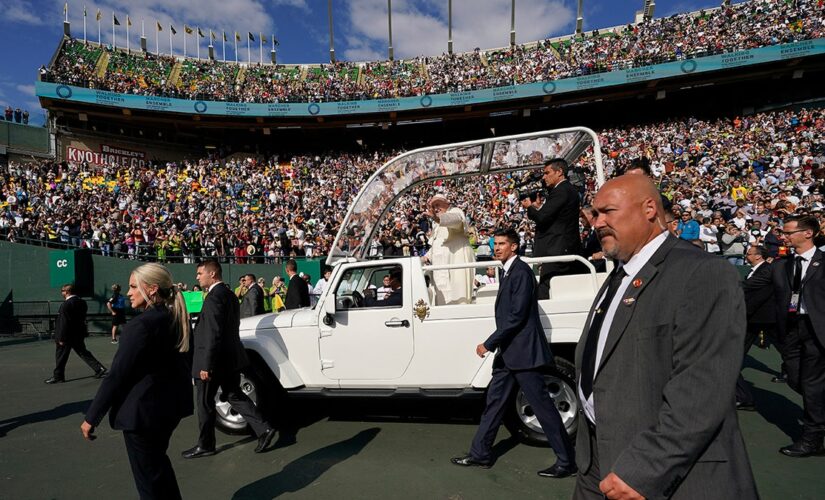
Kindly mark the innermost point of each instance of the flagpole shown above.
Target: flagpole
(84, 24)
(198, 40)
(184, 41)
(127, 33)
(236, 47)
(171, 53)
(248, 51)
(66, 12)
(261, 48)
(114, 42)
(223, 41)
(99, 41)
(157, 39)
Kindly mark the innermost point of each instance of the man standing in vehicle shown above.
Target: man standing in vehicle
(522, 354)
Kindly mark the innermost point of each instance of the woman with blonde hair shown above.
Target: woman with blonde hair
(149, 387)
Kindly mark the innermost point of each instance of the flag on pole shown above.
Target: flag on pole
(187, 29)
(173, 30)
(128, 20)
(114, 19)
(212, 35)
(98, 16)
(160, 28)
(263, 37)
(66, 10)
(224, 37)
(84, 10)
(237, 37)
(251, 36)
(200, 33)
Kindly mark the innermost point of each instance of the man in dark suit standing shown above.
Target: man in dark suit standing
(218, 360)
(557, 224)
(252, 303)
(759, 304)
(522, 355)
(799, 292)
(657, 362)
(70, 332)
(297, 292)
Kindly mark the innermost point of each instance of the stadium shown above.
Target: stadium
(155, 151)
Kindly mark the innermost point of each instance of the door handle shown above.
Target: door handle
(397, 323)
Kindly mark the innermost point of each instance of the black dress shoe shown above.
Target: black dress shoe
(745, 406)
(101, 373)
(198, 451)
(779, 379)
(264, 440)
(468, 461)
(54, 380)
(803, 448)
(557, 472)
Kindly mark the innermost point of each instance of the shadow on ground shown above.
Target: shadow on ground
(55, 413)
(305, 470)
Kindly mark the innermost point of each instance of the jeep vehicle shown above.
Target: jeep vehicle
(346, 346)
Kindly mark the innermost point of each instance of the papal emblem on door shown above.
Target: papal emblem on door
(422, 310)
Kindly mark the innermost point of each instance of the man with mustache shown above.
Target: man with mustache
(658, 362)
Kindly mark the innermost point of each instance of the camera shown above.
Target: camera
(533, 195)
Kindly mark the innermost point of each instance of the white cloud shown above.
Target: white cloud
(420, 26)
(297, 4)
(26, 89)
(21, 11)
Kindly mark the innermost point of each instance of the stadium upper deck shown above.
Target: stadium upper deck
(759, 31)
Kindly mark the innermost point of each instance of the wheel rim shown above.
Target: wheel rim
(226, 414)
(564, 399)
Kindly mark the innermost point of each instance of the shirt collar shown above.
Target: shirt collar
(509, 264)
(637, 262)
(809, 254)
(754, 268)
(214, 285)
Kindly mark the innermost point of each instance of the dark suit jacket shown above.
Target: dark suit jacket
(813, 293)
(557, 222)
(759, 301)
(148, 385)
(252, 303)
(297, 293)
(218, 348)
(392, 300)
(70, 325)
(664, 390)
(519, 334)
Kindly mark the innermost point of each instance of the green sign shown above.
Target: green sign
(194, 301)
(61, 267)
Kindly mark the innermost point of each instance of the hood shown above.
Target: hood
(285, 319)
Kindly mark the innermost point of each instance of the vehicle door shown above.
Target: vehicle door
(366, 338)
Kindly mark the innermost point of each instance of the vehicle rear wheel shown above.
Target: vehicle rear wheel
(560, 384)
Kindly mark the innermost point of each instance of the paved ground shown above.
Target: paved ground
(342, 449)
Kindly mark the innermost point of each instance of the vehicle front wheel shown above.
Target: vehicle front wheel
(561, 387)
(228, 419)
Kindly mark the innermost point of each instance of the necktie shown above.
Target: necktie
(797, 274)
(592, 344)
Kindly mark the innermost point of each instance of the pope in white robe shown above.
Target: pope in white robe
(449, 245)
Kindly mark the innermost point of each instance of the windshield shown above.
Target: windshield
(482, 157)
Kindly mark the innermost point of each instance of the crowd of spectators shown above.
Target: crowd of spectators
(752, 24)
(729, 180)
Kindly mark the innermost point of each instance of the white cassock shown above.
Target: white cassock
(449, 245)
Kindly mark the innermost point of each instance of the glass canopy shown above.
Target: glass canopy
(487, 156)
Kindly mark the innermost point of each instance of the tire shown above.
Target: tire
(560, 382)
(259, 385)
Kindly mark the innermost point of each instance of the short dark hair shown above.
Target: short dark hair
(68, 288)
(805, 222)
(397, 273)
(327, 269)
(509, 233)
(762, 251)
(291, 265)
(557, 164)
(212, 265)
(250, 275)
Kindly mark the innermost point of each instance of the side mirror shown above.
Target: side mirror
(329, 310)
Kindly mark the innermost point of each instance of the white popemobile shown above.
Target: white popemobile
(343, 347)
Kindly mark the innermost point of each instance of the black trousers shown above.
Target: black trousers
(229, 384)
(743, 391)
(498, 394)
(806, 365)
(62, 357)
(151, 468)
(587, 484)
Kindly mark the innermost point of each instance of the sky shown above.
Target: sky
(32, 28)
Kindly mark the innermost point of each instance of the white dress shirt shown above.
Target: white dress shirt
(508, 265)
(806, 262)
(631, 268)
(753, 270)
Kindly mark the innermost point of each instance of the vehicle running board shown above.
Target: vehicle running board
(309, 392)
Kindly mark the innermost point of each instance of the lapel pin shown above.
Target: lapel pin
(637, 283)
(629, 301)
(814, 264)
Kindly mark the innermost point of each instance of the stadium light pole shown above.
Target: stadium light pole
(512, 23)
(580, 18)
(331, 44)
(389, 25)
(450, 27)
